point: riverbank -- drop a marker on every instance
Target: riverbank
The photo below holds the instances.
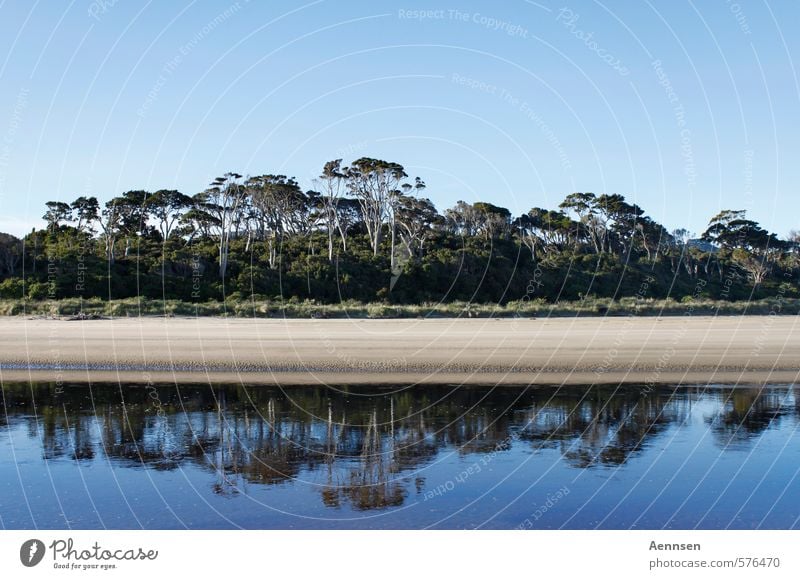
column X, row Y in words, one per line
column 349, row 309
column 636, row 350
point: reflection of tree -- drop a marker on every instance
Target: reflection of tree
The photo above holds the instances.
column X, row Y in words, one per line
column 748, row 412
column 369, row 483
column 365, row 449
column 604, row 426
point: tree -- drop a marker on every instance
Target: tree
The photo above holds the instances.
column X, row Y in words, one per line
column 167, row 206
column 618, row 222
column 86, row 211
column 133, row 208
column 793, row 248
column 416, row 218
column 394, row 203
column 348, row 214
column 10, row 254
column 57, row 213
column 196, row 222
column 748, row 245
column 756, row 267
column 480, row 218
column 280, row 207
column 653, row 237
column 493, row 221
column 463, row 219
column 110, row 224
column 131, row 213
column 375, row 184
column 546, row 231
column 682, row 236
column 333, row 183
column 221, row 201
column 584, row 206
column 730, row 229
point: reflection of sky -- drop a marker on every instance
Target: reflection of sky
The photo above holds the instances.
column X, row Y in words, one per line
column 688, row 469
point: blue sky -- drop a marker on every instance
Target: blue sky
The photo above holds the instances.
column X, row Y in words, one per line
column 684, row 107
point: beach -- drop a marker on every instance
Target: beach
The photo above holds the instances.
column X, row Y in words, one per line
column 735, row 350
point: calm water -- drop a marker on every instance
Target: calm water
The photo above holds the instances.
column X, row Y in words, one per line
column 426, row 457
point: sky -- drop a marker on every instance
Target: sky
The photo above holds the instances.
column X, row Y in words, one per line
column 685, row 107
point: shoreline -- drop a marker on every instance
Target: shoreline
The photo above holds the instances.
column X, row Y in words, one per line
column 95, row 308
column 686, row 350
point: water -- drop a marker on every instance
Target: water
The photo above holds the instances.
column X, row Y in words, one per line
column 198, row 457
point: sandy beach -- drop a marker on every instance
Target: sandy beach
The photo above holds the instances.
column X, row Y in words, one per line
column 636, row 350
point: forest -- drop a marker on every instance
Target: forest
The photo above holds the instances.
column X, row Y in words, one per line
column 366, row 233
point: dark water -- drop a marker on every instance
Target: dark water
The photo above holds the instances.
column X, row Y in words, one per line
column 427, row 457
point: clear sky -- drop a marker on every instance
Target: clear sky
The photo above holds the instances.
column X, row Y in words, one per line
column 684, row 106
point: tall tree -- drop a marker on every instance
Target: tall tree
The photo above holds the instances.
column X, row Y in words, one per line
column 653, row 237
column 394, row 203
column 618, row 220
column 584, row 206
column 546, row 231
column 110, row 225
column 493, row 221
column 57, row 213
column 730, row 229
column 348, row 215
column 222, row 201
column 86, row 211
column 333, row 185
column 417, row 219
column 167, row 206
column 132, row 216
column 281, row 208
column 748, row 245
column 196, row 222
column 463, row 219
column 375, row 184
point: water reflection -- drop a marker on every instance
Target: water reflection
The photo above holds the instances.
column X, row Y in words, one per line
column 749, row 412
column 367, row 450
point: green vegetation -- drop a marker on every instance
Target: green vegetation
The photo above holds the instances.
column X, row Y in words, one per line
column 134, row 307
column 365, row 243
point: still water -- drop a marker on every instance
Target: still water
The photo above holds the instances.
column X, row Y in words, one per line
column 203, row 457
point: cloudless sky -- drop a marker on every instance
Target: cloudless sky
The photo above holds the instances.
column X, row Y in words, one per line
column 686, row 107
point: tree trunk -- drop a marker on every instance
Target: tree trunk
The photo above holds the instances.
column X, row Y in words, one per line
column 392, row 261
column 223, row 261
column 110, row 250
column 377, row 240
column 646, row 246
column 343, row 236
column 273, row 253
column 223, row 254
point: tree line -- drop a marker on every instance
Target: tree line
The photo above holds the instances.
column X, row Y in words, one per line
column 367, row 232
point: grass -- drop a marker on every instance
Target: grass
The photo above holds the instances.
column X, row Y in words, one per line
column 240, row 308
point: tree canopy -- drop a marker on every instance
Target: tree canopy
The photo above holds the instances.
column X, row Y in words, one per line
column 365, row 232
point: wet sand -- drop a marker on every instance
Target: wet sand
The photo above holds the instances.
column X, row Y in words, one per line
column 636, row 350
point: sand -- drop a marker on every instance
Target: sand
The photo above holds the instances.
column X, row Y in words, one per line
column 637, row 350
